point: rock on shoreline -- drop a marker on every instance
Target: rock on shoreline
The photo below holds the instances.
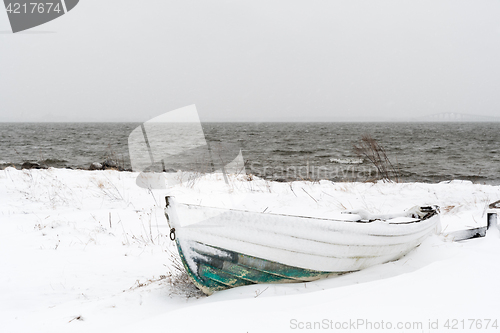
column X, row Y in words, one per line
column 33, row 165
column 108, row 164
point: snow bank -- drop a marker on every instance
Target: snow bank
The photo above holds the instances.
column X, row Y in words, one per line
column 89, row 251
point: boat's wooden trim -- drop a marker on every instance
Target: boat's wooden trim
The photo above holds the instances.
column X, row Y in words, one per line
column 431, row 211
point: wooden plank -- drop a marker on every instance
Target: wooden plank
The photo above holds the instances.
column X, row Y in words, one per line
column 461, row 235
column 217, row 275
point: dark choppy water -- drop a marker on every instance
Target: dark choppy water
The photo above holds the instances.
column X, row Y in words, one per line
column 428, row 152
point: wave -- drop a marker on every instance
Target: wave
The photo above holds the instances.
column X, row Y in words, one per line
column 287, row 152
column 347, row 160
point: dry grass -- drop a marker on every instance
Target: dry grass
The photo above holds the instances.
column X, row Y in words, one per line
column 109, row 189
column 446, row 209
column 370, row 149
column 176, row 280
column 179, row 281
column 111, row 155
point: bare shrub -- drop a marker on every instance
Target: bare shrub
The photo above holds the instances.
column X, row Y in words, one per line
column 370, row 149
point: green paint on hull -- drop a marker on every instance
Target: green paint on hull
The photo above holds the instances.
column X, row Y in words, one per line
column 284, row 271
column 207, row 286
column 222, row 277
column 252, row 275
column 218, row 269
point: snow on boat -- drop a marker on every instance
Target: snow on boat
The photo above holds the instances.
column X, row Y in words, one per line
column 224, row 248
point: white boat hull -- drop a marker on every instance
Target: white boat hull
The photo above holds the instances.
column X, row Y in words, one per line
column 324, row 245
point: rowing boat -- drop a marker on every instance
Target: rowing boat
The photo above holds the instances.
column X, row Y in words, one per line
column 223, row 248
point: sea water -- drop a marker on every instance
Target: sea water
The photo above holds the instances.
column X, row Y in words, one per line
column 424, row 152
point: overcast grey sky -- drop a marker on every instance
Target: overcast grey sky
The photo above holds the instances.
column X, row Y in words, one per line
column 123, row 60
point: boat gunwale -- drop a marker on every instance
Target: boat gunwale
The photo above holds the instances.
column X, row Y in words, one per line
column 434, row 213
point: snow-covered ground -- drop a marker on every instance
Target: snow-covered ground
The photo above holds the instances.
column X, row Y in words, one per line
column 88, row 251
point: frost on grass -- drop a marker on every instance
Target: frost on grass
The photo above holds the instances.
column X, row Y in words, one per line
column 179, row 281
column 176, row 280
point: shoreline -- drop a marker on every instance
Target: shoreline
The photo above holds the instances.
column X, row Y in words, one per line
column 268, row 178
